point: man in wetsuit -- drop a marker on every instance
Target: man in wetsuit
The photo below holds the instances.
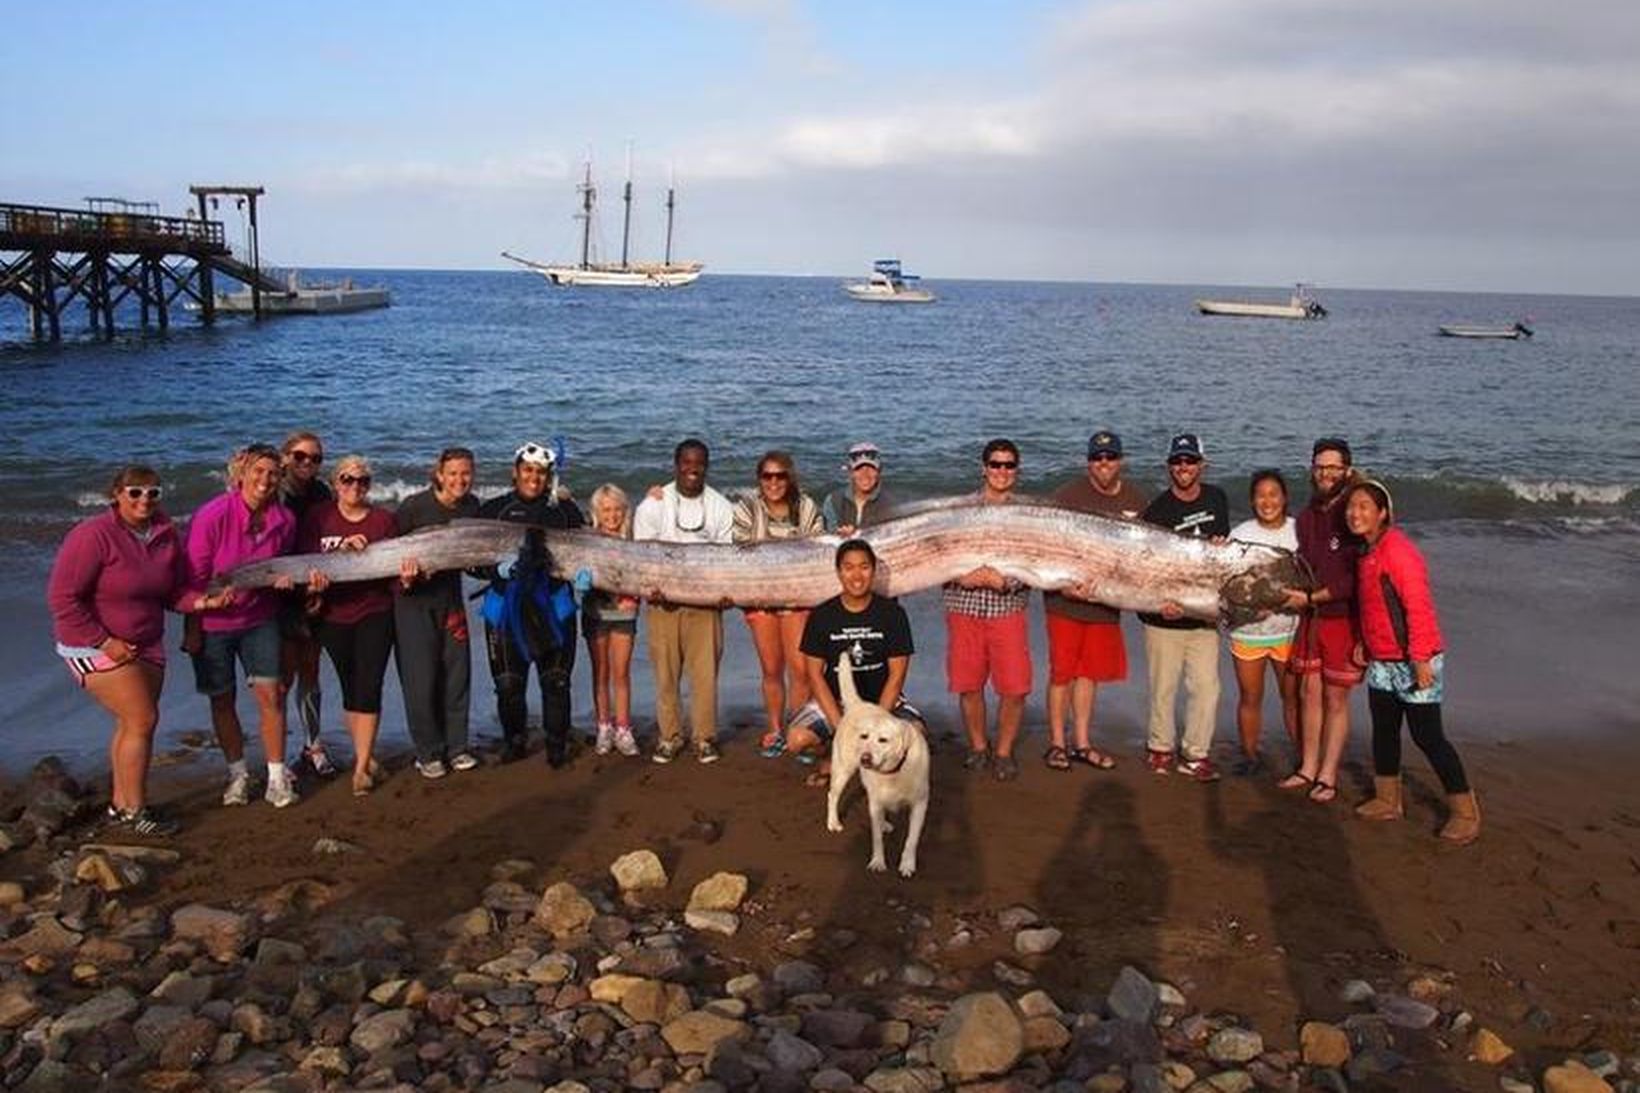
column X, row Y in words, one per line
column 544, row 634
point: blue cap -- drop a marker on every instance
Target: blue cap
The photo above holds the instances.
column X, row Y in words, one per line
column 1185, row 446
column 1104, row 442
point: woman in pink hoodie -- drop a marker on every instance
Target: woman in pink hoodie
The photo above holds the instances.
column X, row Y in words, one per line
column 114, row 578
column 1402, row 651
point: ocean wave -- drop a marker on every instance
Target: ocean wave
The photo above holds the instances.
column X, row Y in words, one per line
column 1511, row 497
column 1563, row 492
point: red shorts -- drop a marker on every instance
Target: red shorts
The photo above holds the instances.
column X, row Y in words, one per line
column 1085, row 650
column 981, row 649
column 1326, row 645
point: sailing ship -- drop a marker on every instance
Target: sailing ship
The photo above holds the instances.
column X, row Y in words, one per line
column 1301, row 305
column 623, row 274
column 889, row 285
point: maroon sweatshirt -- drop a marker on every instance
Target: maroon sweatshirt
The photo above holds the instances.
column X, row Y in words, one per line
column 1328, row 548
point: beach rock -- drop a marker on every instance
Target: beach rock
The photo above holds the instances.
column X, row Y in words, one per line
column 11, row 893
column 1045, row 1034
column 111, row 874
column 47, row 937
column 716, row 922
column 1038, row 1004
column 654, row 1002
column 564, row 910
column 1133, row 997
column 1037, row 941
column 1573, row 1077
column 1404, row 1012
column 719, row 892
column 18, row 1005
column 1321, row 1044
column 905, row 1079
column 698, row 1031
column 50, row 811
column 1118, row 1042
column 114, row 1004
column 1356, row 992
column 639, row 871
column 383, row 1030
column 798, row 977
column 1371, row 1062
column 918, row 975
column 1234, row 1045
column 788, row 1052
column 1510, row 1084
column 1012, row 974
column 613, row 987
column 476, row 923
column 223, row 934
column 837, row 1028
column 1017, row 917
column 551, row 969
column 1488, row 1047
column 981, row 1036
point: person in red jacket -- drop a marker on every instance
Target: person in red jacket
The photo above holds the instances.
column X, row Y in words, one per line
column 111, row 584
column 1402, row 651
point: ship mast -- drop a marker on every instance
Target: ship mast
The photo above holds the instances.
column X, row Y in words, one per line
column 585, row 215
column 671, row 182
column 626, row 222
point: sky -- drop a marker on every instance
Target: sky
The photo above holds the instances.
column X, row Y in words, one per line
column 1444, row 144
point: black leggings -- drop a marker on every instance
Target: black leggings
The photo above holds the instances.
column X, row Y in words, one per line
column 510, row 671
column 359, row 650
column 1424, row 719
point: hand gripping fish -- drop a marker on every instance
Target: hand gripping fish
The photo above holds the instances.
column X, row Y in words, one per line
column 1122, row 564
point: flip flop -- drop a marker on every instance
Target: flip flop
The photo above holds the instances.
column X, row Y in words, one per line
column 1093, row 757
column 1323, row 792
column 1296, row 780
column 773, row 746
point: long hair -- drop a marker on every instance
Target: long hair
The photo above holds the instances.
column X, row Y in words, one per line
column 784, row 461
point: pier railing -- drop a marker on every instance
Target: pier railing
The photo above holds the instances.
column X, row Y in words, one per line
column 26, row 227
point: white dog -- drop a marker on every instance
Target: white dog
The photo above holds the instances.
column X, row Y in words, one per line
column 891, row 757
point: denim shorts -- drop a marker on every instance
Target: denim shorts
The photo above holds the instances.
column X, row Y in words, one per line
column 256, row 649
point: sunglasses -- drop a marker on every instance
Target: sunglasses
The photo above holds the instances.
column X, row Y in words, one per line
column 1104, row 457
column 142, row 493
column 1002, row 464
column 299, row 456
column 1185, row 460
column 354, row 480
column 773, row 476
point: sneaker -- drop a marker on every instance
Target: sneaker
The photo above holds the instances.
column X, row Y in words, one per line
column 464, row 760
column 513, row 749
column 667, row 750
column 432, row 769
column 143, row 821
column 707, row 752
column 606, row 738
column 239, row 789
column 1199, row 770
column 318, row 760
column 281, row 793
column 624, row 741
column 1159, row 762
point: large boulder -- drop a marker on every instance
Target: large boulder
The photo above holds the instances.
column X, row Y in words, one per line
column 699, row 1031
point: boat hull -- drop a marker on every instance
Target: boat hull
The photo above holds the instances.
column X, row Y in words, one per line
column 872, row 294
column 1255, row 311
column 658, row 277
column 305, row 301
column 1505, row 333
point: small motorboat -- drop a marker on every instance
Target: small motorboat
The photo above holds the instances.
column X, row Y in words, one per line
column 889, row 285
column 1512, row 332
column 1301, row 305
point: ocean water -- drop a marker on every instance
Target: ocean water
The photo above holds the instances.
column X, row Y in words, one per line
column 1516, row 464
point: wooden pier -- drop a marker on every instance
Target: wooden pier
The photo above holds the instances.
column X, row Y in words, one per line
column 50, row 258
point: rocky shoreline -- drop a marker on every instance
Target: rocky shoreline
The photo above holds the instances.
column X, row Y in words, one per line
column 626, row 981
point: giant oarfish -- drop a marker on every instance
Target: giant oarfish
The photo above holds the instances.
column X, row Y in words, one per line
column 1115, row 562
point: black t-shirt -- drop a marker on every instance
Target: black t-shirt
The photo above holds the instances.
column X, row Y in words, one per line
column 422, row 510
column 545, row 511
column 1204, row 518
column 870, row 637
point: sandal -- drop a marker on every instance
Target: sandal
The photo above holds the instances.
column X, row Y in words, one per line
column 976, row 760
column 773, row 745
column 1057, row 758
column 1323, row 792
column 1297, row 780
column 1093, row 757
column 1005, row 768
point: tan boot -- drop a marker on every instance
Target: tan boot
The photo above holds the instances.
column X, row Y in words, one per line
column 1464, row 825
column 1386, row 801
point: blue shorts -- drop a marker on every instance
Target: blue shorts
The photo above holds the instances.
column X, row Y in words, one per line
column 256, row 650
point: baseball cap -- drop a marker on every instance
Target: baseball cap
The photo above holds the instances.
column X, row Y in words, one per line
column 1185, row 446
column 865, row 454
column 538, row 454
column 1104, row 442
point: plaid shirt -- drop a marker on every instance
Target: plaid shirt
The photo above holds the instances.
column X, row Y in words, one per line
column 985, row 603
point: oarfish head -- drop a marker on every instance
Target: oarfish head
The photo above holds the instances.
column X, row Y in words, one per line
column 1262, row 587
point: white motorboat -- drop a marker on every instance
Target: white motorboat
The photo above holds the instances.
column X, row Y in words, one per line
column 1511, row 332
column 1301, row 305
column 306, row 298
column 888, row 284
column 623, row 274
